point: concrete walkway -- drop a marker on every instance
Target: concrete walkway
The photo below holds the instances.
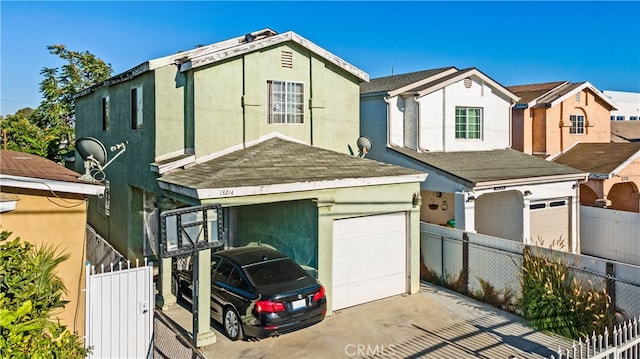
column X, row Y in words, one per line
column 434, row 323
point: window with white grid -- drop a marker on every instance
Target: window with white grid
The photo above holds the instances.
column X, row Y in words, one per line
column 286, row 100
column 468, row 123
column 577, row 124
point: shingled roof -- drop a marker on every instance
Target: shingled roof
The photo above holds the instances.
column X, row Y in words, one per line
column 600, row 159
column 492, row 167
column 394, row 82
column 550, row 93
column 24, row 170
column 625, row 131
column 278, row 165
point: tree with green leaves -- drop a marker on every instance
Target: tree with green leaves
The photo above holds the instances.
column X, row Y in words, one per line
column 30, row 296
column 54, row 119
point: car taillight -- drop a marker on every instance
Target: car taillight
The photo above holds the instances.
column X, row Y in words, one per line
column 267, row 306
column 319, row 295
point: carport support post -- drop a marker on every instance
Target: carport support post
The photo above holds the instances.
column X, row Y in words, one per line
column 205, row 336
column 164, row 298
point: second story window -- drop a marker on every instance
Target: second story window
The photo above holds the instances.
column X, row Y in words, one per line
column 285, row 102
column 577, row 124
column 468, row 123
column 619, row 118
column 106, row 117
column 136, row 108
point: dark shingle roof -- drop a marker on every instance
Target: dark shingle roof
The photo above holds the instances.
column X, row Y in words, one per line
column 528, row 93
column 278, row 161
column 20, row 164
column 488, row 166
column 598, row 158
column 390, row 83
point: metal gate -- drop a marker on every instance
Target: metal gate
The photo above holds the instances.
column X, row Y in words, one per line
column 119, row 311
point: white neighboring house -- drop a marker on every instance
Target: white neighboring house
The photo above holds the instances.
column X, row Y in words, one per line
column 628, row 104
column 456, row 126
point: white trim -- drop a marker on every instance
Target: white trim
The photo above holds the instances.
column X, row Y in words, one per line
column 244, row 48
column 464, row 74
column 583, row 177
column 51, row 185
column 580, row 88
column 164, row 168
column 211, row 193
column 7, row 206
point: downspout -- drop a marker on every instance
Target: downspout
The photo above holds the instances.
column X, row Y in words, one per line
column 310, row 104
column 561, row 125
column 444, row 119
column 387, row 99
column 513, row 103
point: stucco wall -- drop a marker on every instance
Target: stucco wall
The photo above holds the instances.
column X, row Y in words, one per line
column 596, row 116
column 45, row 220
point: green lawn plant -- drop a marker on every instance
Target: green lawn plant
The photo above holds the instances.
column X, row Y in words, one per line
column 30, row 297
column 554, row 299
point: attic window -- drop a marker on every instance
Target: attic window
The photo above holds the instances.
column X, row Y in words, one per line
column 468, row 82
column 287, row 60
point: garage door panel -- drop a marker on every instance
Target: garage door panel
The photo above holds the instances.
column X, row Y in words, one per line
column 369, row 259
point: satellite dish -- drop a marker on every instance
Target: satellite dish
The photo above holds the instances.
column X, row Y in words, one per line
column 89, row 147
column 94, row 155
column 364, row 145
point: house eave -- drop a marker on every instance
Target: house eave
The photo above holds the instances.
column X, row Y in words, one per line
column 51, row 185
column 212, row 193
column 531, row 180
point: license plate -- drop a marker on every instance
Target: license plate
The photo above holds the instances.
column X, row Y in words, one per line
column 298, row 304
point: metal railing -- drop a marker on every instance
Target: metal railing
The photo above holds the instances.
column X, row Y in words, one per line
column 625, row 343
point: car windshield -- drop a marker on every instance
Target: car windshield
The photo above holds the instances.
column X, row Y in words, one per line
column 273, row 272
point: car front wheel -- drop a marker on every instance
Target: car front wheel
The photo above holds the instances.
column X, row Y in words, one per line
column 232, row 324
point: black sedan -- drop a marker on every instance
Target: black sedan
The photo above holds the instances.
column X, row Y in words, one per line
column 258, row 292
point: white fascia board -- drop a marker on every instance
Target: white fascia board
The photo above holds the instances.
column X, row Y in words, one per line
column 463, row 75
column 535, row 101
column 243, row 48
column 533, row 180
column 212, row 193
column 426, row 80
column 7, row 206
column 50, row 185
column 580, row 88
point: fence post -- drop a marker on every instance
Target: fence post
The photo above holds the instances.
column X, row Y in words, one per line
column 442, row 276
column 465, row 263
column 611, row 287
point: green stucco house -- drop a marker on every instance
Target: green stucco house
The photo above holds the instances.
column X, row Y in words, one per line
column 261, row 124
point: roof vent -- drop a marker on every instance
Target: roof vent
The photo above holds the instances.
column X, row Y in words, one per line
column 287, row 59
column 249, row 38
column 467, row 82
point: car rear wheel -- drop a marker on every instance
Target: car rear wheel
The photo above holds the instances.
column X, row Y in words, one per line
column 175, row 288
column 232, row 324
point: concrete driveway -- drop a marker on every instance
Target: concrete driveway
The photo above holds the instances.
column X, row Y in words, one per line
column 434, row 323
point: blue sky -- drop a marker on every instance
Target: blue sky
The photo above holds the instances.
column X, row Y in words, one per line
column 512, row 42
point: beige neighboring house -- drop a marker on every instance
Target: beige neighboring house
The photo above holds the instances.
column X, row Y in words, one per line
column 46, row 204
column 614, row 173
column 551, row 117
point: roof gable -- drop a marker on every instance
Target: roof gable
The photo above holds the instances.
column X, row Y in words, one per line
column 550, row 94
column 219, row 51
column 427, row 81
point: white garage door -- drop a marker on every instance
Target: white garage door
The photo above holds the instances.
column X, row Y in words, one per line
column 369, row 258
column 549, row 223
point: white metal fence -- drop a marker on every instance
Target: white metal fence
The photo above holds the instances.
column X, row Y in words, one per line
column 119, row 311
column 610, row 234
column 625, row 343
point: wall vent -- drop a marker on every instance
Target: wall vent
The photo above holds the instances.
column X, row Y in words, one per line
column 468, row 82
column 287, row 60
